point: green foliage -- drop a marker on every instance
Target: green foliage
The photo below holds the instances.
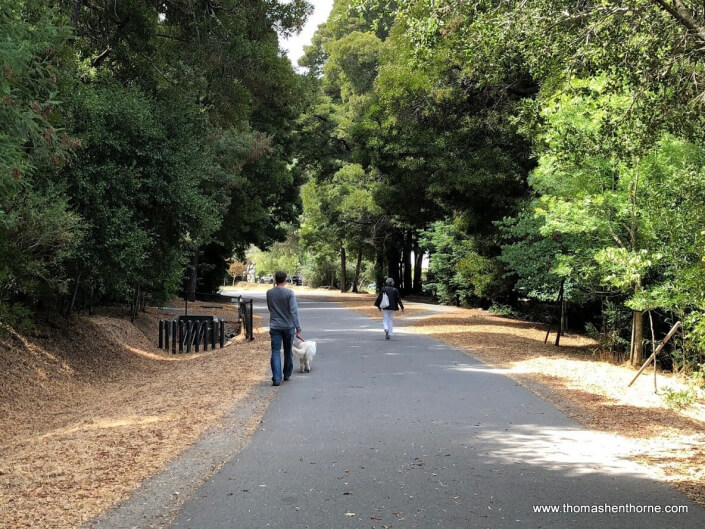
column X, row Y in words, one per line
column 351, row 67
column 30, row 56
column 506, row 311
column 283, row 255
column 448, row 247
column 143, row 135
column 614, row 332
column 679, row 399
column 38, row 232
column 698, row 377
column 138, row 185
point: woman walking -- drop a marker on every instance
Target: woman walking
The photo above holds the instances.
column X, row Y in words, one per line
column 389, row 301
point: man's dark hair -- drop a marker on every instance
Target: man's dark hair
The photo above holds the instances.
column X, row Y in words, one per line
column 279, row 277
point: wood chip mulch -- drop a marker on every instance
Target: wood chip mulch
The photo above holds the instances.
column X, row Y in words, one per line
column 91, row 407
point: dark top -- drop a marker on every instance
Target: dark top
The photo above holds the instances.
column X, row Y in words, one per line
column 394, row 298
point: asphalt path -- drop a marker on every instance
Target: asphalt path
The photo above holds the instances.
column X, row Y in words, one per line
column 412, row 433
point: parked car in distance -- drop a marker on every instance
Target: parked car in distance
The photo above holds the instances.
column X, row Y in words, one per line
column 297, row 280
column 269, row 280
column 372, row 287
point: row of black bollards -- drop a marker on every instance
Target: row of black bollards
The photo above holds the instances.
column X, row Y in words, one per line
column 194, row 331
column 185, row 333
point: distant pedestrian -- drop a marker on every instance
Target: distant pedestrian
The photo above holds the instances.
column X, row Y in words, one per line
column 393, row 302
column 283, row 326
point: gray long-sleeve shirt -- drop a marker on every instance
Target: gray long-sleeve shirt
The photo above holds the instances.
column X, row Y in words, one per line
column 283, row 312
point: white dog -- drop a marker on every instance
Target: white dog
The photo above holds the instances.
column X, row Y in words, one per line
column 305, row 350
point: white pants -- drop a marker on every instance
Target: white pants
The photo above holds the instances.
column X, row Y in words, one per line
column 388, row 321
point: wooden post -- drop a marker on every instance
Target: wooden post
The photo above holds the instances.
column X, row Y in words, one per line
column 161, row 334
column 657, row 351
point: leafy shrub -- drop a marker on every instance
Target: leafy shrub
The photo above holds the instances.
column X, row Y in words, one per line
column 504, row 311
column 679, row 399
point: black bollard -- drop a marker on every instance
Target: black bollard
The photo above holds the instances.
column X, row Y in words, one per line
column 222, row 333
column 173, row 337
column 198, row 327
column 161, row 330
column 250, row 322
column 189, row 336
column 206, row 336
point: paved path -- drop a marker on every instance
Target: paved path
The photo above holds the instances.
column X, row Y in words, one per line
column 411, row 433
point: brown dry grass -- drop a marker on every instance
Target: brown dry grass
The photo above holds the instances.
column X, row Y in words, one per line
column 90, row 408
column 593, row 392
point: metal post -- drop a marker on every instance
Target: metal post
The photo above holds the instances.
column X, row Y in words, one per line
column 189, row 336
column 222, row 333
column 167, row 332
column 161, row 335
column 213, row 333
column 250, row 323
column 173, row 337
column 182, row 337
column 196, row 332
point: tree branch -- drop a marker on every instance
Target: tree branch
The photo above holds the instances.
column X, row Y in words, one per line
column 681, row 13
column 100, row 58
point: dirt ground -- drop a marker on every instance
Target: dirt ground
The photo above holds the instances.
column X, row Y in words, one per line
column 91, row 407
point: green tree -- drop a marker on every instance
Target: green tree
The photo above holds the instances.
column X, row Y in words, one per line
column 38, row 232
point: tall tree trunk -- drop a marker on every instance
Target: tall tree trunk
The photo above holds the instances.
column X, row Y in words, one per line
column 343, row 266
column 358, row 267
column 135, row 303
column 75, row 293
column 193, row 277
column 394, row 258
column 75, row 13
column 379, row 264
column 637, row 346
column 407, row 285
column 418, row 281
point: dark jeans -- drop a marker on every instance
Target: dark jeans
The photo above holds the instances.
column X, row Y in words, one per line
column 279, row 337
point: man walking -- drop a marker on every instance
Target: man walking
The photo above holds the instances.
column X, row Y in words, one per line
column 283, row 324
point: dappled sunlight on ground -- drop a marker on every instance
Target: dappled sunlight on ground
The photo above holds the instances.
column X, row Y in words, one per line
column 568, row 450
